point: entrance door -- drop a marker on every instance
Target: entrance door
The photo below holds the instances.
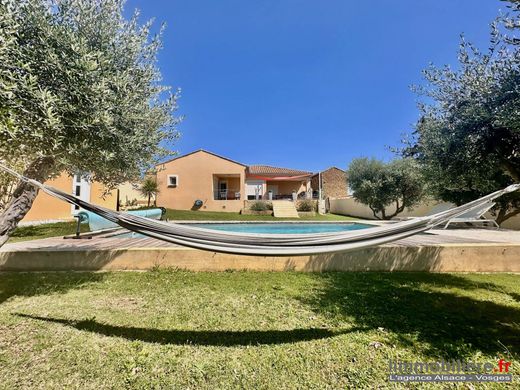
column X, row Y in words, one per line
column 222, row 189
column 81, row 189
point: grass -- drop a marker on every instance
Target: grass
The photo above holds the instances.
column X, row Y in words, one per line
column 35, row 232
column 188, row 215
column 173, row 329
column 65, row 228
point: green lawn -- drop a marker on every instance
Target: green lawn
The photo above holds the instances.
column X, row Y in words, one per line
column 173, row 329
column 64, row 228
column 188, row 215
column 36, row 232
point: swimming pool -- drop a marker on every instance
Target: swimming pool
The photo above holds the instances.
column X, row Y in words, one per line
column 283, row 228
column 273, row 228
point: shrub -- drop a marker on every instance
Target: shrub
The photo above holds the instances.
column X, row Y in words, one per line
column 259, row 206
column 305, row 205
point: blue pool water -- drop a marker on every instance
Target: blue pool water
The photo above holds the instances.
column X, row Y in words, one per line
column 274, row 228
column 283, row 228
column 271, row 228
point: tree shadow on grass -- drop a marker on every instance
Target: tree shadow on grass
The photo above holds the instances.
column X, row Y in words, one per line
column 33, row 284
column 450, row 325
column 196, row 337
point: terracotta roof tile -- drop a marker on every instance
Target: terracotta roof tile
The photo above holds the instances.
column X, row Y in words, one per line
column 268, row 170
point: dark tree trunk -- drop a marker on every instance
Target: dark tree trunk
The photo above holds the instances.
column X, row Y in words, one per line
column 398, row 209
column 374, row 212
column 149, row 196
column 23, row 197
column 511, row 170
column 503, row 215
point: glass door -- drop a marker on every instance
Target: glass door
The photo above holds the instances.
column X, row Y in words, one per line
column 222, row 189
column 80, row 189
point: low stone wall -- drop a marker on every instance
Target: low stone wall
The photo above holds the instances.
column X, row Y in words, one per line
column 440, row 258
column 349, row 206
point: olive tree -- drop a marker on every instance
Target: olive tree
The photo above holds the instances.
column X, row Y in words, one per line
column 80, row 91
column 380, row 185
column 467, row 140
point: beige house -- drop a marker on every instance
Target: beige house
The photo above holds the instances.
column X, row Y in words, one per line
column 130, row 196
column 206, row 181
column 48, row 208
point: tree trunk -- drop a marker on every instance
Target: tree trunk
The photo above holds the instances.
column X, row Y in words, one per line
column 503, row 215
column 23, row 196
column 511, row 170
column 398, row 209
column 149, row 200
column 374, row 212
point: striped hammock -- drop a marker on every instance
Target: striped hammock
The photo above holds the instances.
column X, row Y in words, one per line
column 269, row 244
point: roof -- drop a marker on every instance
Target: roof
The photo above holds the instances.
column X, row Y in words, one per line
column 265, row 170
column 330, row 168
column 201, row 150
column 268, row 170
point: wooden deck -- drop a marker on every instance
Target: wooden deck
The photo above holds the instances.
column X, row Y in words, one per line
column 464, row 250
column 110, row 241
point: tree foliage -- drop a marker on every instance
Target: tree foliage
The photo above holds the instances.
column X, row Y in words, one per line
column 79, row 92
column 468, row 137
column 378, row 185
column 79, row 84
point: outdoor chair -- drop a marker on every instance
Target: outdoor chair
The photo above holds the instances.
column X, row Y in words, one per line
column 474, row 216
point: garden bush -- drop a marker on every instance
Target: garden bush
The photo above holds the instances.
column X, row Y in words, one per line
column 260, row 206
column 305, row 205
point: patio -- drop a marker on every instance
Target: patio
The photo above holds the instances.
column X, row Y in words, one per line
column 466, row 250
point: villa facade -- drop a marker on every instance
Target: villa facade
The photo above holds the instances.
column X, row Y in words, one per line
column 48, row 208
column 206, row 181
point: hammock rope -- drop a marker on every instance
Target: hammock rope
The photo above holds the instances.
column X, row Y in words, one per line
column 269, row 244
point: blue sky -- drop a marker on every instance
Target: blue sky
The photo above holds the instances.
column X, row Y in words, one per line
column 305, row 84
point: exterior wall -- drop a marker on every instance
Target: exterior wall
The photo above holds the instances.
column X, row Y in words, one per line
column 233, row 184
column 128, row 193
column 98, row 196
column 349, row 206
column 196, row 173
column 46, row 207
column 333, row 181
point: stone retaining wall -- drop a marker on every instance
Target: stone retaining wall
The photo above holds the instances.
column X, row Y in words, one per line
column 439, row 258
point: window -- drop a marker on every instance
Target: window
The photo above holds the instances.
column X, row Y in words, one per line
column 173, row 180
